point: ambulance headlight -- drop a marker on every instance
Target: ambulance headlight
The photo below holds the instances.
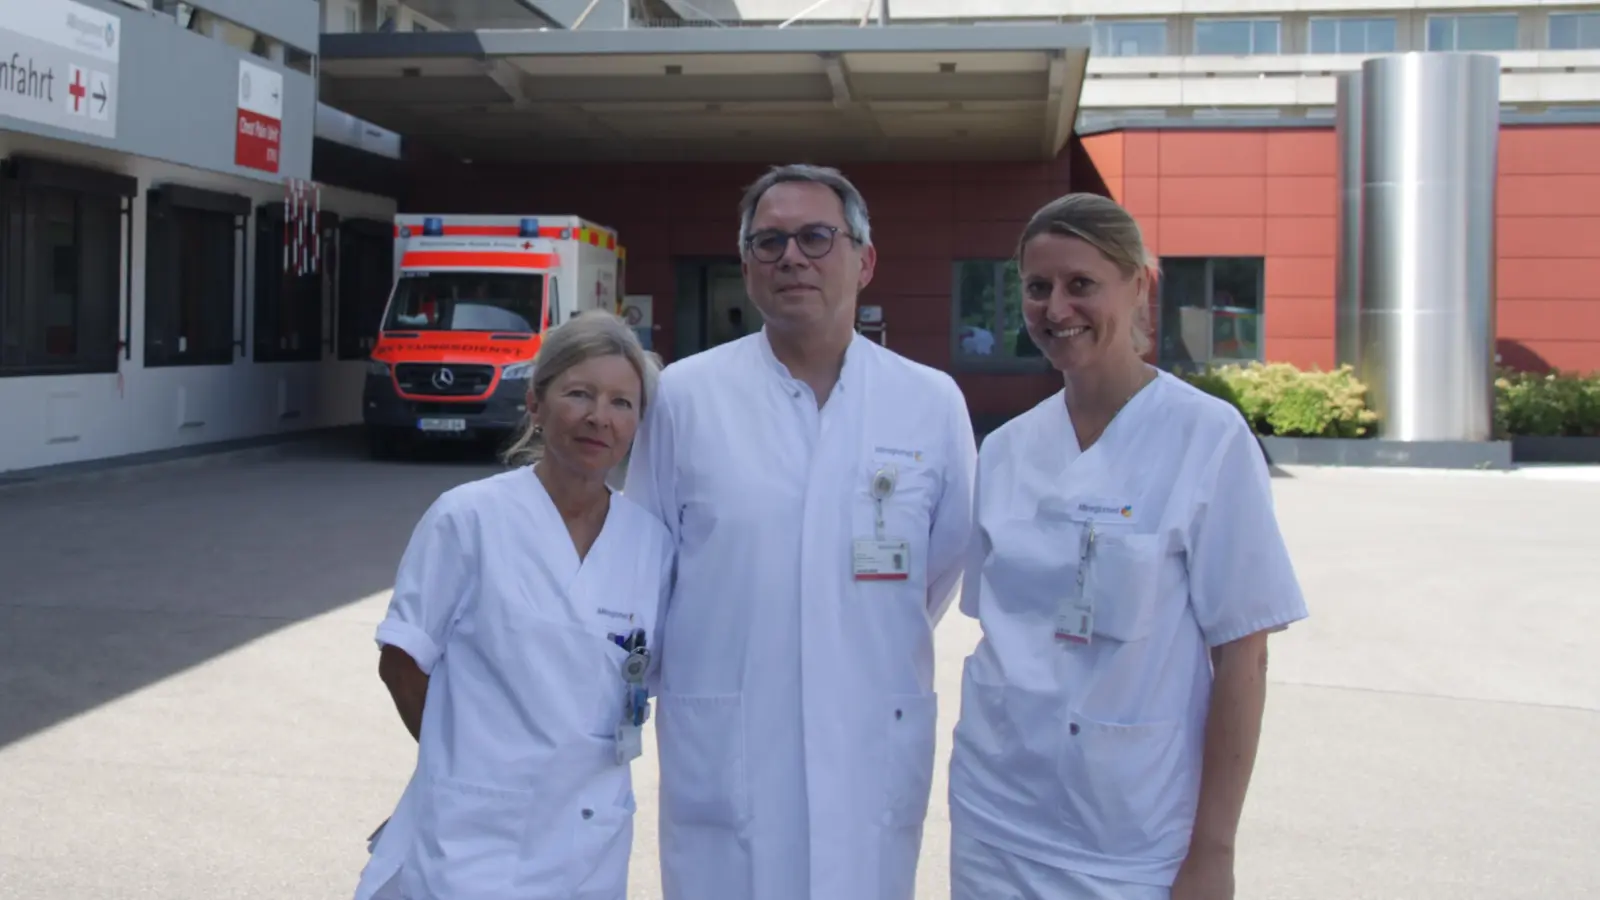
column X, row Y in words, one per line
column 521, row 371
column 377, row 368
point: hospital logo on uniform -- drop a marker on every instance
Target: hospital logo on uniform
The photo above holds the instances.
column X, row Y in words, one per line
column 913, row 455
column 627, row 617
column 1096, row 509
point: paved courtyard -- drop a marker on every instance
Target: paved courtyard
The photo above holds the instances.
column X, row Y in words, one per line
column 189, row 707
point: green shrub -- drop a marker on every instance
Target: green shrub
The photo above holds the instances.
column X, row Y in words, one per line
column 1547, row 404
column 1278, row 399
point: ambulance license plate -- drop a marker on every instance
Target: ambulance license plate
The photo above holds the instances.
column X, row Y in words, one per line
column 442, row 424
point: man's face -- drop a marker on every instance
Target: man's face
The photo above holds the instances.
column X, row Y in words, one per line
column 802, row 268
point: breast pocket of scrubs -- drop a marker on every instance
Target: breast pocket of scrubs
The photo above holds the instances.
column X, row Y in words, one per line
column 907, row 513
column 1122, row 580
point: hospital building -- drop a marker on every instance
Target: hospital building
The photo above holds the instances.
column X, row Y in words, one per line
column 198, row 200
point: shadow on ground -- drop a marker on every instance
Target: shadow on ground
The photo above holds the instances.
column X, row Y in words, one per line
column 116, row 580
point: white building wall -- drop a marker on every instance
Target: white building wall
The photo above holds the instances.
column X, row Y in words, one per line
column 51, row 420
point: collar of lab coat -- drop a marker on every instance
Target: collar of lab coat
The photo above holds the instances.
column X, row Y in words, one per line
column 854, row 362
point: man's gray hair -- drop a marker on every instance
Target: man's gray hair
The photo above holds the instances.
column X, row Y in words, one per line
column 855, row 208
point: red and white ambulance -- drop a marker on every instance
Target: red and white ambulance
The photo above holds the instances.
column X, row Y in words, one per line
column 473, row 296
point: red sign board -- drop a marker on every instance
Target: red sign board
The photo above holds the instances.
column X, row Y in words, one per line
column 258, row 137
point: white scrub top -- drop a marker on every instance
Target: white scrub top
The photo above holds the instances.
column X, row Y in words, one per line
column 1088, row 757
column 517, row 793
column 796, row 716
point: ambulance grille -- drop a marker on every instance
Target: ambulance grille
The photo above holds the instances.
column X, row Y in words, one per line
column 443, row 379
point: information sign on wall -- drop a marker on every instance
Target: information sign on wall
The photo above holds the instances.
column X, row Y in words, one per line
column 258, row 143
column 58, row 64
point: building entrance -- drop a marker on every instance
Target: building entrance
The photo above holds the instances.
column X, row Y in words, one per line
column 712, row 305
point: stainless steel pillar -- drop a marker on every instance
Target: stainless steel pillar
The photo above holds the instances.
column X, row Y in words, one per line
column 1347, row 281
column 1430, row 129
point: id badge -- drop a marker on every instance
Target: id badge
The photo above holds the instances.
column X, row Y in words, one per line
column 882, row 560
column 1075, row 623
column 630, row 743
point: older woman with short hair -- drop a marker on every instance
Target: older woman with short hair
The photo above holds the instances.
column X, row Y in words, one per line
column 516, row 649
column 1126, row 568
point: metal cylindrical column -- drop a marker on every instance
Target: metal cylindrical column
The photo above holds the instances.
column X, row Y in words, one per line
column 1430, row 128
column 1347, row 281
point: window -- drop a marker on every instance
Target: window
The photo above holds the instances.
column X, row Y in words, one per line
column 62, row 258
column 1352, row 35
column 1210, row 311
column 352, row 20
column 988, row 316
column 1235, row 37
column 191, row 276
column 288, row 304
column 1130, row 38
column 1490, row 31
column 1574, row 31
column 466, row 301
column 365, row 273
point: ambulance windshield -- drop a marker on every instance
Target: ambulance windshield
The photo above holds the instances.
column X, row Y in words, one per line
column 466, row 301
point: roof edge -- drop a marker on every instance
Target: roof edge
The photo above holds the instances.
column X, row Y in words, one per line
column 687, row 41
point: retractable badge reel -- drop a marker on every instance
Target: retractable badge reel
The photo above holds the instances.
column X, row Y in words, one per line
column 1075, row 616
column 882, row 558
column 630, row 742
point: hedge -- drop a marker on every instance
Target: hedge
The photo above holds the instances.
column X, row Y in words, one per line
column 1279, row 399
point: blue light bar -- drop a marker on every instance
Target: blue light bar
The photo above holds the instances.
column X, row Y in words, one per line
column 530, row 228
column 433, row 226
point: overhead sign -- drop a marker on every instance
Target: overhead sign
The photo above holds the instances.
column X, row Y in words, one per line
column 58, row 64
column 258, row 143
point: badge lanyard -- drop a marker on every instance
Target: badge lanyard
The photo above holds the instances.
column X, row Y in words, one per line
column 1075, row 618
column 882, row 558
column 883, row 483
column 636, row 707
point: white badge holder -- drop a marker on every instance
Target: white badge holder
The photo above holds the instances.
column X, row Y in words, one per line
column 630, row 731
column 881, row 558
column 1075, row 615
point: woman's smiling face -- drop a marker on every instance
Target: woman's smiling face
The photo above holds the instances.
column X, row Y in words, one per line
column 1078, row 306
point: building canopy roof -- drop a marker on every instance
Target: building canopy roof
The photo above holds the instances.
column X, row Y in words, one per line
column 912, row 93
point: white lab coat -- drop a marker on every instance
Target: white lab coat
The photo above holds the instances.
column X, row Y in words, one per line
column 796, row 716
column 517, row 793
column 1088, row 758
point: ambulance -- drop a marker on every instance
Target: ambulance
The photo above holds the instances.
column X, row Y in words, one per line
column 472, row 298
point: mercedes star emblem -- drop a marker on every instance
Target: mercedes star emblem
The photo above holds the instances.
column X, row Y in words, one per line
column 443, row 379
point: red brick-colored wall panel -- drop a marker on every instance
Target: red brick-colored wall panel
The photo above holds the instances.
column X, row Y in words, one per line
column 1548, row 279
column 1300, row 276
column 1303, row 236
column 1539, row 321
column 1550, row 149
column 1143, row 196
column 1102, row 165
column 1547, row 195
column 1141, row 153
column 928, row 239
column 1211, row 236
column 1297, row 152
column 987, row 240
column 1212, row 153
column 1213, row 197
column 1302, row 195
column 1298, row 317
column 1302, row 353
column 1554, row 237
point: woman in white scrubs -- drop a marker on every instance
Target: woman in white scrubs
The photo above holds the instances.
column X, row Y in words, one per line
column 1126, row 569
column 516, row 649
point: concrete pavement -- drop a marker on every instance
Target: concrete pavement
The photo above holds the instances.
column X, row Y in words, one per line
column 189, row 707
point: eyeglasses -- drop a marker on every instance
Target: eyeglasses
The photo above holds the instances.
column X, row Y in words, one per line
column 813, row 240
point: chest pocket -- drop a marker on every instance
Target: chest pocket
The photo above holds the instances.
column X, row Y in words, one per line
column 907, row 511
column 1123, row 577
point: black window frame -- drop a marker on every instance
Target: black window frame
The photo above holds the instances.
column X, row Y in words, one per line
column 167, row 207
column 1166, row 360
column 359, row 306
column 24, row 179
column 274, row 282
column 1009, row 361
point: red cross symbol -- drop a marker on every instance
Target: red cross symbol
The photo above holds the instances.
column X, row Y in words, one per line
column 78, row 90
column 527, row 245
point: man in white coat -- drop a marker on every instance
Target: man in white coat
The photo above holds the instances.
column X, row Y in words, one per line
column 819, row 489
